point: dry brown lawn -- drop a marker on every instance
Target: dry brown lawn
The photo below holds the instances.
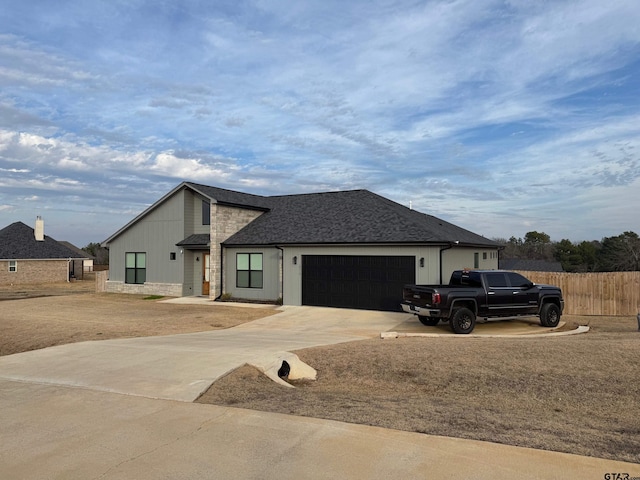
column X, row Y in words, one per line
column 68, row 316
column 578, row 394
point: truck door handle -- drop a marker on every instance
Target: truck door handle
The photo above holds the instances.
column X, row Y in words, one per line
column 491, row 293
column 515, row 293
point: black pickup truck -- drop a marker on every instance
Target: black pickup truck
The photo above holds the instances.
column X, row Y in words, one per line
column 483, row 294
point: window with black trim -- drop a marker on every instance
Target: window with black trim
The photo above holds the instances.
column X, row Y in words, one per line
column 136, row 267
column 13, row 265
column 249, row 270
column 206, row 212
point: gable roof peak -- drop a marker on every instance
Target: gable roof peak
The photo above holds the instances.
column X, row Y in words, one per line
column 229, row 197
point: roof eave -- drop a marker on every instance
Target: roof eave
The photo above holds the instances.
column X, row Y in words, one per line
column 352, row 244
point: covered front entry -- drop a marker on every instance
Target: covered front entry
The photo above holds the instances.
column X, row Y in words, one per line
column 356, row 281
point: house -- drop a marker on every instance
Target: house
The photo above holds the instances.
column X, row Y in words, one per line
column 27, row 255
column 351, row 249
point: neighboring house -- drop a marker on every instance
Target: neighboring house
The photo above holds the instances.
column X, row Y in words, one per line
column 525, row 265
column 80, row 265
column 27, row 255
column 351, row 249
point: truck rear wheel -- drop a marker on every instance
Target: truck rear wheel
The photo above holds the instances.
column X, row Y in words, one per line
column 463, row 320
column 550, row 315
column 428, row 321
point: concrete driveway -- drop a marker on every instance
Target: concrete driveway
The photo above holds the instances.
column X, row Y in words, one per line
column 119, row 409
column 181, row 367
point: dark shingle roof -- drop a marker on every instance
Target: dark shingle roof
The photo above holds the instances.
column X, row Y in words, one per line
column 230, row 197
column 195, row 240
column 18, row 242
column 79, row 251
column 356, row 216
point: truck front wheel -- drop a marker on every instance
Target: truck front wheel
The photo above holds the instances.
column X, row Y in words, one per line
column 429, row 321
column 463, row 320
column 550, row 315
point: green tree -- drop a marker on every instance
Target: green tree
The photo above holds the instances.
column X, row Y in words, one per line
column 568, row 255
column 589, row 253
column 620, row 254
column 97, row 251
column 537, row 246
column 575, row 257
column 513, row 248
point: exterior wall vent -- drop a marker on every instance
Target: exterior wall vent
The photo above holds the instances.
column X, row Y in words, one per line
column 39, row 231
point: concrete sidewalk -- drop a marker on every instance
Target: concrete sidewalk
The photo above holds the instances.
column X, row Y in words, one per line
column 118, row 409
column 54, row 432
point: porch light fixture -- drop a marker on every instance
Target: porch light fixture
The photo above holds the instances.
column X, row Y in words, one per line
column 422, row 262
column 295, row 260
column 197, row 259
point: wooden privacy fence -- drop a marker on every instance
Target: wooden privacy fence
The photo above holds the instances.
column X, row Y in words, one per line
column 606, row 293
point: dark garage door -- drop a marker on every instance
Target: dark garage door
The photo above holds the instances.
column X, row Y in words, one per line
column 349, row 281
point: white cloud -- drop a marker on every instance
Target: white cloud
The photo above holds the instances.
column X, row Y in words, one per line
column 191, row 168
column 25, row 63
column 494, row 114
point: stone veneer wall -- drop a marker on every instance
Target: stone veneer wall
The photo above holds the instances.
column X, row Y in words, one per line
column 34, row 271
column 148, row 288
column 225, row 221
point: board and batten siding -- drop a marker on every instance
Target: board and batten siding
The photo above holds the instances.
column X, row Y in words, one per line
column 156, row 234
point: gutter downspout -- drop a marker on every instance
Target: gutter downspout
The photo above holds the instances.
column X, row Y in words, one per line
column 450, row 246
column 221, row 272
column 500, row 249
column 282, row 270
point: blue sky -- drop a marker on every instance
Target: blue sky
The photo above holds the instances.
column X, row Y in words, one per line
column 502, row 117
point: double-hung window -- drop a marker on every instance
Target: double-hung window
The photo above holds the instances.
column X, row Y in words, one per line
column 249, row 270
column 13, row 265
column 136, row 267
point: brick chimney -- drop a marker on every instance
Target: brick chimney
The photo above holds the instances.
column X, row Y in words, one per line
column 39, row 231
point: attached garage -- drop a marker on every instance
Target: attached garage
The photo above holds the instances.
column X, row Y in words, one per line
column 356, row 281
